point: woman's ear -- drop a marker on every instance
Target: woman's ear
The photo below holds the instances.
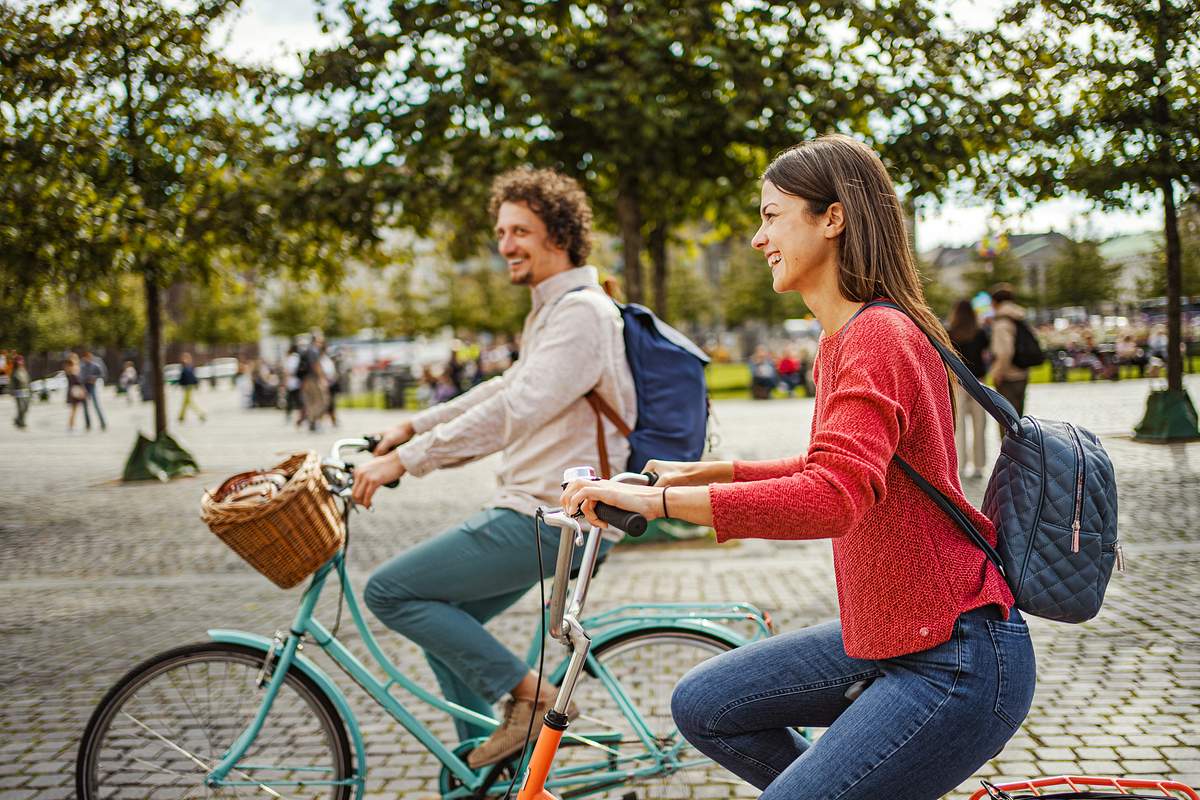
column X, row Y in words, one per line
column 835, row 220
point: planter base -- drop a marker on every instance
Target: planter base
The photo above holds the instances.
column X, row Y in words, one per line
column 158, row 459
column 1170, row 417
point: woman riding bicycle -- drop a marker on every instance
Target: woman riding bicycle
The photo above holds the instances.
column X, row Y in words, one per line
column 927, row 624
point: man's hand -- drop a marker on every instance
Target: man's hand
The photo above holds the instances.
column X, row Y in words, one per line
column 690, row 473
column 375, row 473
column 392, row 438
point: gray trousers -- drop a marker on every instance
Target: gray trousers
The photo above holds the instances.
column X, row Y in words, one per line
column 440, row 593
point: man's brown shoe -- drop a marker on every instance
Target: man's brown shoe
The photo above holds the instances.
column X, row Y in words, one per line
column 508, row 739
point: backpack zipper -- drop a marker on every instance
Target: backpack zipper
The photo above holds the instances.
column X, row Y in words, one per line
column 1075, row 524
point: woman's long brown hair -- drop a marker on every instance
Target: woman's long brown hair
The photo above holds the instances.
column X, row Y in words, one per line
column 874, row 257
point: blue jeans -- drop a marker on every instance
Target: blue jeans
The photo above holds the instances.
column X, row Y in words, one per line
column 923, row 725
column 94, row 397
column 440, row 593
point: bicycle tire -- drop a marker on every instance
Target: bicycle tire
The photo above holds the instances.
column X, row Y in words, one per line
column 649, row 682
column 299, row 695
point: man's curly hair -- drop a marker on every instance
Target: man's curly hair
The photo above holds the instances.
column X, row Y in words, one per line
column 558, row 201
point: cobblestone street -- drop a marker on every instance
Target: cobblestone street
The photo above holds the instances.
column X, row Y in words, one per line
column 98, row 576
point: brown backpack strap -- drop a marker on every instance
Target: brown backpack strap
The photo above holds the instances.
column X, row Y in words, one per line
column 603, row 409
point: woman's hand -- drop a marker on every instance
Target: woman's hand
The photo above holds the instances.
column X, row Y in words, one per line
column 690, row 473
column 375, row 473
column 583, row 495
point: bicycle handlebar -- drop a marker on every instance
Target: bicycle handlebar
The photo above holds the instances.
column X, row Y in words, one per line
column 631, row 522
column 364, row 443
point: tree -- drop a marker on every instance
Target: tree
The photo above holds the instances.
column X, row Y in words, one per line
column 1124, row 121
column 1153, row 281
column 128, row 145
column 666, row 112
column 223, row 309
column 1080, row 276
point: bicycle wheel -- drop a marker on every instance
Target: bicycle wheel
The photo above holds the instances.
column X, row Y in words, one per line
column 646, row 665
column 157, row 733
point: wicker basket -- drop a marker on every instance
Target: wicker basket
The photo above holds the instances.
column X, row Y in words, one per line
column 286, row 537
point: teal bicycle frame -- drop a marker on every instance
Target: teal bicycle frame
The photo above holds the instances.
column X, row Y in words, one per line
column 285, row 655
column 282, row 655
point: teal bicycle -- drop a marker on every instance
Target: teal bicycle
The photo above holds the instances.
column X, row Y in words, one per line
column 247, row 715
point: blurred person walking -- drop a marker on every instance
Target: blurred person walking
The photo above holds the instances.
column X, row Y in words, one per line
column 127, row 380
column 188, row 382
column 314, row 385
column 76, row 393
column 94, row 375
column 1010, row 380
column 18, row 386
column 291, row 382
column 333, row 377
column 971, row 342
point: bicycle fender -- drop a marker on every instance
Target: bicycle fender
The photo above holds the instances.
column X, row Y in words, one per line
column 692, row 625
column 305, row 665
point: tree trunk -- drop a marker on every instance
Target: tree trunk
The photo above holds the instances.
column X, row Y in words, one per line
column 1174, row 289
column 657, row 245
column 629, row 216
column 154, row 342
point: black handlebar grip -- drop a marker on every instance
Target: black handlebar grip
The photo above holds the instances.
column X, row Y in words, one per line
column 631, row 522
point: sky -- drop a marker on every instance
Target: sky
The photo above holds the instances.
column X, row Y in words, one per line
column 274, row 30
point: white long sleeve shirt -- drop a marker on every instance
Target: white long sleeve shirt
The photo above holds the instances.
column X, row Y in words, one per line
column 572, row 342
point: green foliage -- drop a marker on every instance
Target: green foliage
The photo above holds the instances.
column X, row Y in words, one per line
column 478, row 297
column 1124, row 90
column 221, row 310
column 1153, row 281
column 666, row 112
column 747, row 294
column 1080, row 276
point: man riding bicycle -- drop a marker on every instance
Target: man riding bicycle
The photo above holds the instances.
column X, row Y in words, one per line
column 440, row 593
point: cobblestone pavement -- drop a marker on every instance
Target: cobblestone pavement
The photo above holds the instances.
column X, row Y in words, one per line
column 97, row 576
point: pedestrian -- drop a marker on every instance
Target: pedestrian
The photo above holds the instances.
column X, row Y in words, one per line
column 442, row 592
column 333, row 377
column 94, row 374
column 291, row 382
column 188, row 382
column 18, row 386
column 1010, row 380
column 127, row 380
column 930, row 670
column 972, row 342
column 76, row 393
column 763, row 377
column 789, row 369
column 314, row 385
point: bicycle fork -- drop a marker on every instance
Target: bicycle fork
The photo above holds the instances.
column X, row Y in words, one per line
column 556, row 721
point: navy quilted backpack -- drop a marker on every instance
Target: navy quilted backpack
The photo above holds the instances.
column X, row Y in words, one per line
column 1053, row 499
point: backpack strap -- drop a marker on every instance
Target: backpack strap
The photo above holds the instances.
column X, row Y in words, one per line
column 954, row 512
column 602, row 409
column 992, row 401
column 994, row 404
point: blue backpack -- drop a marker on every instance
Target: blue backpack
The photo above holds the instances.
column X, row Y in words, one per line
column 672, row 396
column 1053, row 499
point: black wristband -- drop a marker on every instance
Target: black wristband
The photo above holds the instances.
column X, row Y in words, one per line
column 664, row 501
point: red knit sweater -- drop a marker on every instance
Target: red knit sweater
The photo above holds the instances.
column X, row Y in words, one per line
column 904, row 571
